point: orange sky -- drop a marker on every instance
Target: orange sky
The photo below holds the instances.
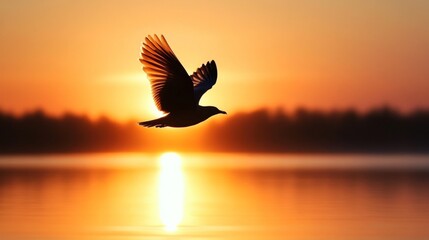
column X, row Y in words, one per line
column 82, row 56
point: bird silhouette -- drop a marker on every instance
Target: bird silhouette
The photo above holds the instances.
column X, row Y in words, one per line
column 175, row 92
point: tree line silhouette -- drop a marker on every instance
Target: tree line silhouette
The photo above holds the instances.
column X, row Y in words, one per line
column 378, row 130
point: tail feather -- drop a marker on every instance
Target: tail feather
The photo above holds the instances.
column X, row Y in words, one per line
column 152, row 123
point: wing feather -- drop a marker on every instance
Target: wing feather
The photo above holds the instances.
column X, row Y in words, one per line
column 172, row 87
column 204, row 79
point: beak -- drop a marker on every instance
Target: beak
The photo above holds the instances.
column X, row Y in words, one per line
column 223, row 112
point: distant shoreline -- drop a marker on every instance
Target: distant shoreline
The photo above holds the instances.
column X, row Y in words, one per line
column 379, row 131
column 221, row 152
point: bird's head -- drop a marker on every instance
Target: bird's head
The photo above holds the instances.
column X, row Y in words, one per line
column 213, row 111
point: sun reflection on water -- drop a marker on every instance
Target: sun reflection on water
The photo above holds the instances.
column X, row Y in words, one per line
column 171, row 191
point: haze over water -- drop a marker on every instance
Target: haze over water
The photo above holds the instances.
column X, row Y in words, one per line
column 214, row 196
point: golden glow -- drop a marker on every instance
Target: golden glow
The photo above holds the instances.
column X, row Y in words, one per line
column 171, row 191
column 292, row 53
column 151, row 109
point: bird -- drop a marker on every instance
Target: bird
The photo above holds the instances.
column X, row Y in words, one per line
column 176, row 93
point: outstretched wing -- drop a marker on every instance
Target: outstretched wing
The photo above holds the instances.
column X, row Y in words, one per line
column 204, row 79
column 172, row 88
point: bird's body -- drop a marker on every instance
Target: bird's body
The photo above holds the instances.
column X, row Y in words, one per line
column 183, row 118
column 174, row 91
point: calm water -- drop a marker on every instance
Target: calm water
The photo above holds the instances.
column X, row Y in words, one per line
column 214, row 196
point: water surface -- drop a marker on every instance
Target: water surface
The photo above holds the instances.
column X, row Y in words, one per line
column 214, row 196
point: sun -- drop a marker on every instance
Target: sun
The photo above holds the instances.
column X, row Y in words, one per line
column 153, row 110
column 150, row 108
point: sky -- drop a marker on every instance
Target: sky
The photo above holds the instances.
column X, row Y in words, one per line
column 82, row 56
